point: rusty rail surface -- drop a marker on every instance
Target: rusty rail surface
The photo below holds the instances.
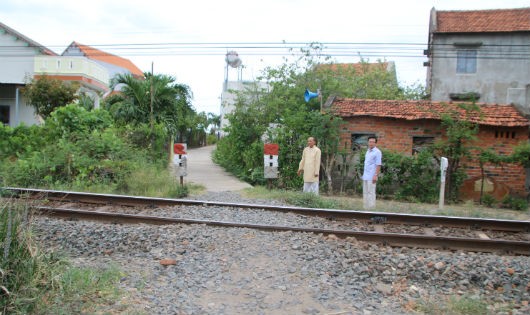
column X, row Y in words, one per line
column 390, row 239
column 376, row 217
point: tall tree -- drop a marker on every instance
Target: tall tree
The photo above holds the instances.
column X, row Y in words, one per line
column 45, row 94
column 460, row 133
column 171, row 101
column 283, row 106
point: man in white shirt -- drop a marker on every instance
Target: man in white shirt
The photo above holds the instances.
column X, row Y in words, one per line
column 372, row 168
column 310, row 166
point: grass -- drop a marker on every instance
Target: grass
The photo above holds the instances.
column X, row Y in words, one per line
column 466, row 209
column 43, row 282
column 459, row 305
column 148, row 181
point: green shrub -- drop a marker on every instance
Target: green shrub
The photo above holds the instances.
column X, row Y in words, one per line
column 74, row 121
column 309, row 200
column 178, row 191
column 513, row 202
column 488, row 200
column 403, row 175
column 15, row 142
column 33, row 281
column 211, row 139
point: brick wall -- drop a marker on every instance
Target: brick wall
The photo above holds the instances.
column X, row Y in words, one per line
column 397, row 135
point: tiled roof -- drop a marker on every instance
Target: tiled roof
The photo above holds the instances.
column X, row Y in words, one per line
column 93, row 53
column 490, row 114
column 505, row 20
column 32, row 43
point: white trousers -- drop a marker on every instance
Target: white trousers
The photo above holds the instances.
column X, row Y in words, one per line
column 368, row 194
column 311, row 187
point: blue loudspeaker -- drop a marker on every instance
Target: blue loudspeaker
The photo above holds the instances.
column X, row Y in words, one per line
column 308, row 95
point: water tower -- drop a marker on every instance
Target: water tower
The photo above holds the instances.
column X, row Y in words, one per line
column 233, row 61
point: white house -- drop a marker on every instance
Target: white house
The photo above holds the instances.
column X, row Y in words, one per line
column 22, row 59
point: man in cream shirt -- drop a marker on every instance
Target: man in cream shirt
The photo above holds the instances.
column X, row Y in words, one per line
column 310, row 166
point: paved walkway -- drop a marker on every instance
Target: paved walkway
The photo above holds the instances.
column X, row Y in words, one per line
column 203, row 171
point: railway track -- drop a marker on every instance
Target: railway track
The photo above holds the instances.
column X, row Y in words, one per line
column 393, row 229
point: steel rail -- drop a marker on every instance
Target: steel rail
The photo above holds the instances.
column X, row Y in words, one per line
column 390, row 239
column 376, row 217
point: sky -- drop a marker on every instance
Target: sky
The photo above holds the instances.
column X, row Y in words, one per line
column 188, row 40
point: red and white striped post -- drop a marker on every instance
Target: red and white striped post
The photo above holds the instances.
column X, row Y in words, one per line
column 270, row 161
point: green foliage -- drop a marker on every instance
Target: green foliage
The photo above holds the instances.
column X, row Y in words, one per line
column 402, row 175
column 74, row 121
column 211, row 139
column 514, row 202
column 178, row 191
column 152, row 180
column 156, row 100
column 281, row 114
column 309, row 200
column 488, row 200
column 15, row 142
column 17, row 264
column 139, row 137
column 35, row 282
column 96, row 157
column 460, row 133
column 464, row 305
column 521, row 154
column 46, row 94
column 82, row 290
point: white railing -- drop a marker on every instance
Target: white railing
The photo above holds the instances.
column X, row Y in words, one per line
column 70, row 66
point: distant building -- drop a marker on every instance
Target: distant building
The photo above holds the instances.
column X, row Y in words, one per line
column 22, row 59
column 481, row 55
column 17, row 55
column 114, row 64
column 231, row 89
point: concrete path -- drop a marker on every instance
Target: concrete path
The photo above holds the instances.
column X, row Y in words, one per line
column 203, row 171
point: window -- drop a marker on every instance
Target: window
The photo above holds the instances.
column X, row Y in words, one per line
column 4, row 114
column 505, row 134
column 360, row 140
column 421, row 143
column 466, row 61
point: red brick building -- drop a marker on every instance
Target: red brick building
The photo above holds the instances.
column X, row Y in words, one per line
column 406, row 126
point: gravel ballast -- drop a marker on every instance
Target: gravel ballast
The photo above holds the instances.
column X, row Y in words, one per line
column 215, row 270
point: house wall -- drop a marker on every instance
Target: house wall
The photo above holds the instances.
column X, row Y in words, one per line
column 92, row 73
column 24, row 113
column 230, row 93
column 502, row 72
column 112, row 70
column 16, row 61
column 392, row 134
column 16, row 67
column 397, row 135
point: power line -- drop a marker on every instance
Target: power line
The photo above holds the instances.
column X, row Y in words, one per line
column 331, row 49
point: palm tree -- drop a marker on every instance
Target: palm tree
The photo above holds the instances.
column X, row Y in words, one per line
column 169, row 104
